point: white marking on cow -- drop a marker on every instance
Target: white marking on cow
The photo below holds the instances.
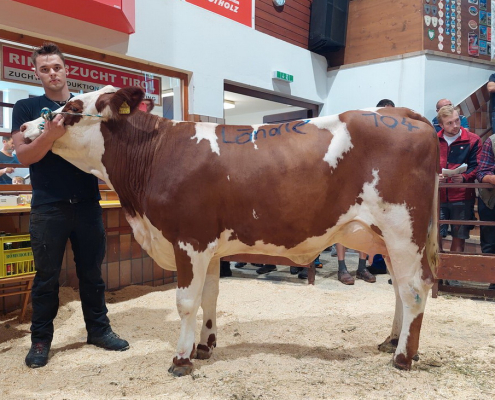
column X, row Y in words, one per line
column 189, row 298
column 255, row 216
column 206, row 130
column 152, row 241
column 228, row 177
column 341, row 141
column 253, row 139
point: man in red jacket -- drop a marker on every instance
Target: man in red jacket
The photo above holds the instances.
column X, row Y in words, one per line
column 458, row 146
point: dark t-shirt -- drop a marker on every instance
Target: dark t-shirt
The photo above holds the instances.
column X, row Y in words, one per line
column 52, row 178
column 4, row 159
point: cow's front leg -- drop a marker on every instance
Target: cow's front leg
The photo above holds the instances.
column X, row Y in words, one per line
column 208, row 338
column 390, row 343
column 191, row 271
column 413, row 293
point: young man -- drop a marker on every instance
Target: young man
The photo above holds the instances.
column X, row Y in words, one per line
column 7, row 157
column 65, row 205
column 446, row 102
column 457, row 146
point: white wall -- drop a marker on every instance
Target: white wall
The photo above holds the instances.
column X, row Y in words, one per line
column 176, row 34
column 417, row 82
column 188, row 38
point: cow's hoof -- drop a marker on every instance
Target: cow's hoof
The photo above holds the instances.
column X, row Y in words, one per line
column 180, row 371
column 388, row 346
column 400, row 362
column 203, row 352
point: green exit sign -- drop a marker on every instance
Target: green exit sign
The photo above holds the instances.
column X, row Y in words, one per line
column 283, row 76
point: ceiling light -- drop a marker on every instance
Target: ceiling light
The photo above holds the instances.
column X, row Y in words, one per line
column 228, row 104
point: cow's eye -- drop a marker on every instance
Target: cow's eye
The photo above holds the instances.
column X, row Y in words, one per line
column 74, row 109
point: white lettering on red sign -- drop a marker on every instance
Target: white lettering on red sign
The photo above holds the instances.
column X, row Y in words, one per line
column 225, row 4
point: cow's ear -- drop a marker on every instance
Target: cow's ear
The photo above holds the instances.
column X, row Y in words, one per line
column 125, row 101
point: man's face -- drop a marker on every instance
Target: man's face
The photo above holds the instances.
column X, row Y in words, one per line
column 8, row 145
column 51, row 71
column 451, row 124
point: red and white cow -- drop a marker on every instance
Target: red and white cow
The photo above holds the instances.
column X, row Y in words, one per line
column 195, row 192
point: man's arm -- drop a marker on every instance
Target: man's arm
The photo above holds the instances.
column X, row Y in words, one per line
column 29, row 153
column 486, row 164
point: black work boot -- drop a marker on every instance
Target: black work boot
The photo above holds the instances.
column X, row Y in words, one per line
column 38, row 354
column 108, row 341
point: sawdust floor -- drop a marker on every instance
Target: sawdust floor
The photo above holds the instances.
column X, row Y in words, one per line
column 278, row 338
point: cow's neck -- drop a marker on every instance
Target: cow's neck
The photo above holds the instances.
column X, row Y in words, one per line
column 128, row 145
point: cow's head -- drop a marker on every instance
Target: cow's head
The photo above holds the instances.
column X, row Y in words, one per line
column 83, row 143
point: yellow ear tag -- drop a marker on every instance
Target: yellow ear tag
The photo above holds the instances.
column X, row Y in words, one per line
column 124, row 108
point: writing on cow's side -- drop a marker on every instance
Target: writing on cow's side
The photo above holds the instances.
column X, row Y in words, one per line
column 246, row 135
column 389, row 121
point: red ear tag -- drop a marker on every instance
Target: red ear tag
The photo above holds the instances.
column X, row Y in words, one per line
column 143, row 106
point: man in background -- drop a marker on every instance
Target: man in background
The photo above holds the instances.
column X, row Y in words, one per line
column 7, row 157
column 445, row 102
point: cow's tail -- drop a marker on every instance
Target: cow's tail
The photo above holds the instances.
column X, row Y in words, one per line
column 432, row 239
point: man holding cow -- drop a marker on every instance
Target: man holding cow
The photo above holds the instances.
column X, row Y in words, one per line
column 65, row 205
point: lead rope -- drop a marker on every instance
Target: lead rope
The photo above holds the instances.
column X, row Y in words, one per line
column 48, row 115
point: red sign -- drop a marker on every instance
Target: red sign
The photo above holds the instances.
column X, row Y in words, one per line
column 118, row 15
column 83, row 76
column 237, row 10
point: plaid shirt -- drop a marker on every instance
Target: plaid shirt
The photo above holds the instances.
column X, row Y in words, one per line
column 486, row 163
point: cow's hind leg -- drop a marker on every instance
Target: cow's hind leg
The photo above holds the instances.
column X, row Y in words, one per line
column 413, row 290
column 208, row 337
column 191, row 271
column 390, row 343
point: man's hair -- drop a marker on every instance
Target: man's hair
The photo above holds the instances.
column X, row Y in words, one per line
column 18, row 178
column 445, row 111
column 385, row 103
column 442, row 100
column 47, row 49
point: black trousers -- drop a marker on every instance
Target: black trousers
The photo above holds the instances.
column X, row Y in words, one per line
column 51, row 225
column 487, row 233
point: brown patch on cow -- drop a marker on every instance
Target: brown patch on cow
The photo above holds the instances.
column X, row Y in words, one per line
column 375, row 229
column 212, row 341
column 203, row 347
column 193, row 351
column 182, row 362
column 401, row 362
column 73, row 106
column 413, row 338
column 209, row 324
column 131, row 95
column 184, row 268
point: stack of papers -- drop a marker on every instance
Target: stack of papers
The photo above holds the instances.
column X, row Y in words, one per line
column 459, row 170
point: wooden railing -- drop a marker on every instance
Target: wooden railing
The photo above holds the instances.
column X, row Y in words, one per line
column 470, row 267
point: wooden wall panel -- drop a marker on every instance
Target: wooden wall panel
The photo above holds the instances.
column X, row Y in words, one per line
column 383, row 28
column 289, row 23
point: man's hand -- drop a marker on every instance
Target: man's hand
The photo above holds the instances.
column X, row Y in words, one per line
column 54, row 129
column 6, row 170
column 457, row 178
column 442, row 178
